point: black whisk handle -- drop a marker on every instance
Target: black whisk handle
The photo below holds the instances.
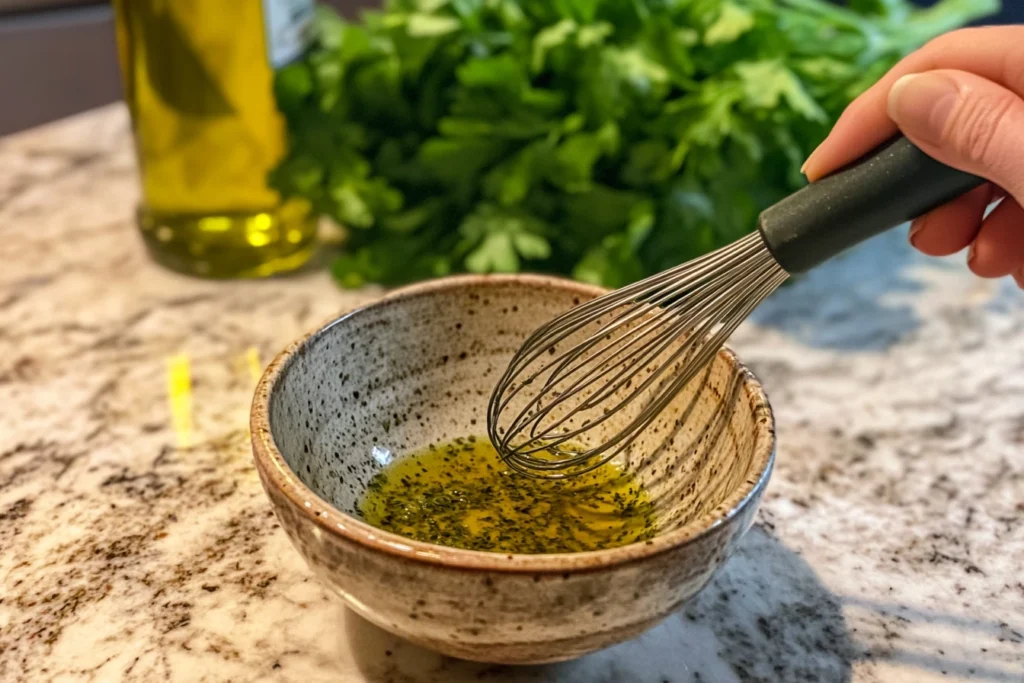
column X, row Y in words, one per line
column 895, row 183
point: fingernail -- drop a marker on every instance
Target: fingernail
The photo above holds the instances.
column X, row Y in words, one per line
column 915, row 228
column 921, row 104
column 809, row 162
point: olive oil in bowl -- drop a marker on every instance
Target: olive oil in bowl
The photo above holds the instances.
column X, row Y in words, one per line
column 460, row 494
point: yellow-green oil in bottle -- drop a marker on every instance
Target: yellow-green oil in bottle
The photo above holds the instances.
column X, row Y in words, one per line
column 198, row 80
column 462, row 495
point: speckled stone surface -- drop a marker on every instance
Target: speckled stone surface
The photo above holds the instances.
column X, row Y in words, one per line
column 137, row 544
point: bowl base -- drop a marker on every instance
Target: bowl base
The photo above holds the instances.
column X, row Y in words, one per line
column 522, row 653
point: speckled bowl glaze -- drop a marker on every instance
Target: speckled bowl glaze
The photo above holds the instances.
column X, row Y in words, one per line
column 417, row 367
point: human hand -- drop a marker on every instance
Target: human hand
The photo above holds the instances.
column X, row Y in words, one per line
column 960, row 99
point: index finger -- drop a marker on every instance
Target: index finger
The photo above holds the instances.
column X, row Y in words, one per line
column 995, row 53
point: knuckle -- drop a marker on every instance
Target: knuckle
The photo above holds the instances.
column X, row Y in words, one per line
column 977, row 124
column 962, row 36
column 941, row 45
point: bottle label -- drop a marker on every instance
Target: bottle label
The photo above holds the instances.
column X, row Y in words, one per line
column 288, row 26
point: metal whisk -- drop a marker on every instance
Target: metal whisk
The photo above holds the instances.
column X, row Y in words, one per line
column 636, row 348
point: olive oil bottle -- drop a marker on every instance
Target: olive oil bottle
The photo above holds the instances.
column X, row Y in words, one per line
column 198, row 80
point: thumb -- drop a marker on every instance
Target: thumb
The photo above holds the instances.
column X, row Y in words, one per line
column 964, row 121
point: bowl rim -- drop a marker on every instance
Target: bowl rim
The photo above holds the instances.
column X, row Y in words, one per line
column 277, row 474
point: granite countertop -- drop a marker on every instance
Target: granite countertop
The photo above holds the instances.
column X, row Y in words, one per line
column 137, row 544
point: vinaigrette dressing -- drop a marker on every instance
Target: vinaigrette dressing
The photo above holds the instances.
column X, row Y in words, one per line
column 460, row 494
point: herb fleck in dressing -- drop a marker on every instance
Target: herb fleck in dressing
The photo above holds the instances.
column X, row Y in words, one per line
column 462, row 495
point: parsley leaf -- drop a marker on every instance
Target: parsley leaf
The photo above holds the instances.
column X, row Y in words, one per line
column 603, row 139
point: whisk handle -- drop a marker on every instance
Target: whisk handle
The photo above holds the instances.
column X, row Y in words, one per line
column 895, row 183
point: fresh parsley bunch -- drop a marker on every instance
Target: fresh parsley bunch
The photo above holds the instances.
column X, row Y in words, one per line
column 604, row 139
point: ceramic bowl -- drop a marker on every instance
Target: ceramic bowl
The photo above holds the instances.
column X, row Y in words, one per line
column 417, row 367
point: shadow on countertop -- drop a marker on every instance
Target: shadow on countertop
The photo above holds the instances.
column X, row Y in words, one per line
column 992, row 665
column 765, row 617
column 847, row 304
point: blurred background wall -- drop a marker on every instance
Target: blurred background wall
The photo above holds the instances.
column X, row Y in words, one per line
column 57, row 57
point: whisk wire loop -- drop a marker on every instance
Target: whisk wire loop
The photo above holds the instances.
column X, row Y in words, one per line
column 635, row 349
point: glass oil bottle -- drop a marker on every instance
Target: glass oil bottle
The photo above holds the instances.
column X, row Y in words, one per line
column 198, row 80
